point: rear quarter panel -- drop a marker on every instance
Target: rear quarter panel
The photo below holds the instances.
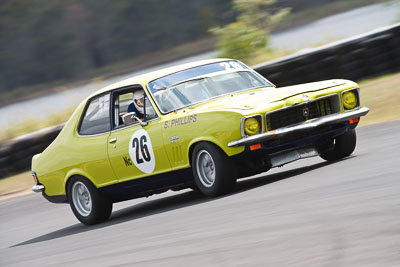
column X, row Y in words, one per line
column 70, row 154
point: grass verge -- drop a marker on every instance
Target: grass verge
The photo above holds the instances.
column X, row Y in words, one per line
column 31, row 125
column 381, row 95
column 16, row 185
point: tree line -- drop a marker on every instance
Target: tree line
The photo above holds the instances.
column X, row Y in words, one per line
column 45, row 41
column 42, row 41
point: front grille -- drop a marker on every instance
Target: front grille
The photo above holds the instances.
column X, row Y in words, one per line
column 302, row 112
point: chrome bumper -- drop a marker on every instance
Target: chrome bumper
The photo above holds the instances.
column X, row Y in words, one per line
column 308, row 125
column 38, row 188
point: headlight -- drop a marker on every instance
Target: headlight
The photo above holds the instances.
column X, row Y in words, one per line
column 349, row 100
column 251, row 126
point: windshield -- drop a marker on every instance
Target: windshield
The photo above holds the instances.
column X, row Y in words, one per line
column 194, row 86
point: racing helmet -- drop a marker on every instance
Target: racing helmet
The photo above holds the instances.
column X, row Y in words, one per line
column 138, row 100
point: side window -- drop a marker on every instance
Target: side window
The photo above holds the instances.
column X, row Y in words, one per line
column 97, row 116
column 150, row 111
column 123, row 103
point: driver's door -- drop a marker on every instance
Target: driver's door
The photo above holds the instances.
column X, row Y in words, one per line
column 136, row 150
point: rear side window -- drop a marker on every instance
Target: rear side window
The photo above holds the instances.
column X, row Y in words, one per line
column 97, row 116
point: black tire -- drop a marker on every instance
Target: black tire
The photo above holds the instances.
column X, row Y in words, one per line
column 218, row 176
column 86, row 202
column 340, row 147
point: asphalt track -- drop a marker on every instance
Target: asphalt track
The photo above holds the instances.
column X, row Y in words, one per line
column 308, row 213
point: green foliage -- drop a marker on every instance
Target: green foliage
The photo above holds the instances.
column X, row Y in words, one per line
column 239, row 40
column 242, row 38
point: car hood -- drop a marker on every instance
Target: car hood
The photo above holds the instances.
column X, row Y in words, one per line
column 260, row 97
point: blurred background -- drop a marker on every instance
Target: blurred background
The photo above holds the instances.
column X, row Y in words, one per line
column 55, row 53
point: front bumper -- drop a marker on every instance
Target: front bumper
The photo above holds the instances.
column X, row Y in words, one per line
column 308, row 125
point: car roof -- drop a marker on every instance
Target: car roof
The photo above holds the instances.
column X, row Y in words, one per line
column 143, row 79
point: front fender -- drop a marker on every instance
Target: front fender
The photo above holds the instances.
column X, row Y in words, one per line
column 222, row 144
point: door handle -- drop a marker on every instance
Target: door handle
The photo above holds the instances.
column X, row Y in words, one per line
column 112, row 140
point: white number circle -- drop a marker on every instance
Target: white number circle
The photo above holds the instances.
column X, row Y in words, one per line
column 141, row 151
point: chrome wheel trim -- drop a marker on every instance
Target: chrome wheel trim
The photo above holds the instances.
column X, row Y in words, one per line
column 205, row 168
column 81, row 198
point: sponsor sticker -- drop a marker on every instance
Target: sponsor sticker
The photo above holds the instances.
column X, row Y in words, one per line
column 180, row 121
column 141, row 151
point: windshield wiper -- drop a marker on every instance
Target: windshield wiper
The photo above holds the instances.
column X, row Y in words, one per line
column 201, row 78
column 181, row 82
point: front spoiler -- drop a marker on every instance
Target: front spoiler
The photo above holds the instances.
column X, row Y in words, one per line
column 308, row 125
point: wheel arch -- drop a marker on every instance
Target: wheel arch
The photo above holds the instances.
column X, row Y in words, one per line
column 229, row 151
column 193, row 145
column 75, row 173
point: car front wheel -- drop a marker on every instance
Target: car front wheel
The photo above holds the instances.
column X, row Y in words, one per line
column 213, row 171
column 340, row 147
column 86, row 202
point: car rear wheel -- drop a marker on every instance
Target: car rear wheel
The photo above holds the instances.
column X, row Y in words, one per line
column 340, row 147
column 213, row 171
column 86, row 202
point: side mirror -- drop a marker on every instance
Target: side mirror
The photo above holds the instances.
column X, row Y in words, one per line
column 131, row 118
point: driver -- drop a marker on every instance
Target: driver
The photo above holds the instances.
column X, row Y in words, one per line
column 138, row 104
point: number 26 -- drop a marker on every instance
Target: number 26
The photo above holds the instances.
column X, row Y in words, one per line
column 142, row 151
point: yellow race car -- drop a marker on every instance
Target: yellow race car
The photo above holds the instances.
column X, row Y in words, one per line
column 199, row 125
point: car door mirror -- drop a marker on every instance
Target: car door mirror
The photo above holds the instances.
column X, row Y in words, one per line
column 131, row 118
